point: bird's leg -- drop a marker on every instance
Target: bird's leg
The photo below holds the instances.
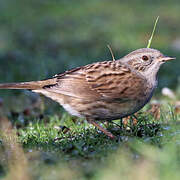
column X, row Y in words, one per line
column 101, row 129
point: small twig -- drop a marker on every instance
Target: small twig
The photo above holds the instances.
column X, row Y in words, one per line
column 154, row 28
column 111, row 52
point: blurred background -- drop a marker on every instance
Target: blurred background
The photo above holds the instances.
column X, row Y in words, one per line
column 40, row 38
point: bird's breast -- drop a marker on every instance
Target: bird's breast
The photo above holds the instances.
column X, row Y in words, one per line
column 115, row 109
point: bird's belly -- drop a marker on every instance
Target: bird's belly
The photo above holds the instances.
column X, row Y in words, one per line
column 100, row 110
column 116, row 111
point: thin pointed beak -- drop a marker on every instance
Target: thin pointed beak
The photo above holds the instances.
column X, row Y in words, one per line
column 166, row 58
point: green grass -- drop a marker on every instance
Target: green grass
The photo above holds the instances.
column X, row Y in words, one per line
column 148, row 150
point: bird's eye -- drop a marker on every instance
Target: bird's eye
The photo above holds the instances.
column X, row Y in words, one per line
column 145, row 58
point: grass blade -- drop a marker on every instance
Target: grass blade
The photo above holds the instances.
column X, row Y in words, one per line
column 154, row 28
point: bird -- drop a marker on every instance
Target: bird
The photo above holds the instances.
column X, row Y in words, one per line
column 105, row 90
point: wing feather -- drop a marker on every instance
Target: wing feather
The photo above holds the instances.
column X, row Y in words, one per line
column 108, row 80
column 114, row 80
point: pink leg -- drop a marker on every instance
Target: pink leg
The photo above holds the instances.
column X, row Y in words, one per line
column 102, row 129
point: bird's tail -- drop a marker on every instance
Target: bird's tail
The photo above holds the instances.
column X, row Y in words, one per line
column 32, row 85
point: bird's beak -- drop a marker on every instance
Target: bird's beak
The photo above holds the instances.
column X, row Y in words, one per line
column 165, row 58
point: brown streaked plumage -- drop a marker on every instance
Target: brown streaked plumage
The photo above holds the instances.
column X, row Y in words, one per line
column 103, row 91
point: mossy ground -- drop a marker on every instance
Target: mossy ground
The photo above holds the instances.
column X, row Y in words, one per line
column 63, row 147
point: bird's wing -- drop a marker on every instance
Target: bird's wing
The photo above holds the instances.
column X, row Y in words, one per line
column 106, row 80
column 114, row 80
column 73, row 83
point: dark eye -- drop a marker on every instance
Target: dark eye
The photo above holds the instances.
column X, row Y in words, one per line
column 145, row 58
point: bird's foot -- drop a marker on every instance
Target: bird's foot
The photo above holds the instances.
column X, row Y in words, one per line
column 102, row 129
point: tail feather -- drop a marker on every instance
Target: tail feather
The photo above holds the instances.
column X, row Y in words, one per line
column 32, row 85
